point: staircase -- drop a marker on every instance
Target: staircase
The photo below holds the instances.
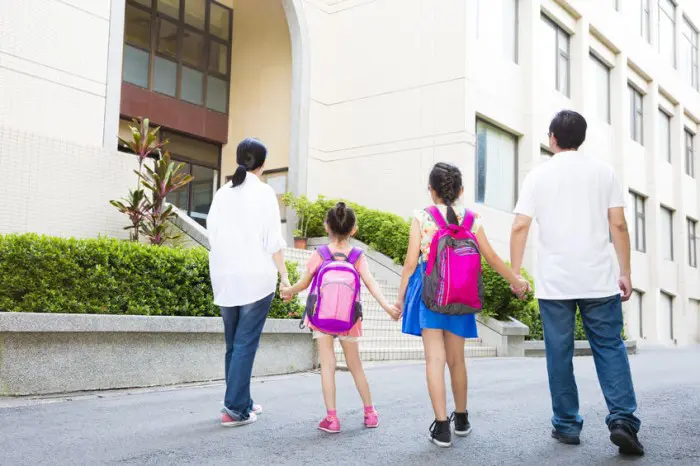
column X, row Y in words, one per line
column 382, row 339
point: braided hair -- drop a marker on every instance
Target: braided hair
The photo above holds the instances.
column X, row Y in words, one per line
column 446, row 181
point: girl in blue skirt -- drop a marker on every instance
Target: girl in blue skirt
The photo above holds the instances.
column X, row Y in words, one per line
column 443, row 335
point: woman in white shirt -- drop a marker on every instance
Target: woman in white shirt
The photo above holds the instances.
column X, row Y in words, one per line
column 246, row 254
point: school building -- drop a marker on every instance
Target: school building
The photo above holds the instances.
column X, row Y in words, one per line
column 358, row 99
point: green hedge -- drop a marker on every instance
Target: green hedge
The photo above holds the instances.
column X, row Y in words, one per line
column 108, row 276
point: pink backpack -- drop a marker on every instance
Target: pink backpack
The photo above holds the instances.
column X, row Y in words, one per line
column 453, row 282
column 333, row 305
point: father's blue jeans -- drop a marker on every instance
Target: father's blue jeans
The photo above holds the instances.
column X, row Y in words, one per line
column 602, row 321
column 243, row 326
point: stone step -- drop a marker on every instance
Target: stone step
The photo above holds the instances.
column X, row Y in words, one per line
column 396, row 353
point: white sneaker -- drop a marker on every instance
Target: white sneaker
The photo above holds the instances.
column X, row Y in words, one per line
column 228, row 421
column 257, row 409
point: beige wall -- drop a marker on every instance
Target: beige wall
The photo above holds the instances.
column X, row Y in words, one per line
column 261, row 73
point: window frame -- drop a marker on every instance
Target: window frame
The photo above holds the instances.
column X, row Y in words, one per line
column 692, row 228
column 671, row 299
column 645, row 20
column 636, row 113
column 670, row 212
column 640, row 310
column 477, row 184
column 664, row 114
column 182, row 27
column 278, row 171
column 639, row 201
column 559, row 53
column 693, row 42
column 689, row 138
column 608, row 109
column 516, row 31
column 672, row 17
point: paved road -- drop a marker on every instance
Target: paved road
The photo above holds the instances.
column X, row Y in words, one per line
column 509, row 408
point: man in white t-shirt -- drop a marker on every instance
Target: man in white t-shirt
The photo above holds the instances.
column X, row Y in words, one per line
column 578, row 204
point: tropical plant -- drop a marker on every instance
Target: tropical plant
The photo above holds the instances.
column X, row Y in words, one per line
column 161, row 180
column 144, row 141
column 303, row 208
column 135, row 206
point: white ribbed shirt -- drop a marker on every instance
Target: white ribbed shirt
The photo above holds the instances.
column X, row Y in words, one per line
column 244, row 232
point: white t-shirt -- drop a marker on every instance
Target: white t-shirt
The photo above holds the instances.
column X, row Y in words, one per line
column 569, row 197
column 244, row 231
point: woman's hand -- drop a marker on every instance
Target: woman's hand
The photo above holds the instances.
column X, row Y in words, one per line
column 393, row 311
column 284, row 281
column 286, row 293
column 521, row 287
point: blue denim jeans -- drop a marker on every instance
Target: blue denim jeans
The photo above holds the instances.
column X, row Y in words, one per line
column 243, row 326
column 602, row 321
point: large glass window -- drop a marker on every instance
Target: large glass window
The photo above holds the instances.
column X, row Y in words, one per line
column 667, row 31
column 496, row 158
column 636, row 115
column 689, row 153
column 634, row 321
column 201, row 160
column 602, row 88
column 278, row 179
column 559, row 40
column 639, row 223
column 664, row 136
column 188, row 55
column 692, row 242
column 689, row 53
column 667, row 233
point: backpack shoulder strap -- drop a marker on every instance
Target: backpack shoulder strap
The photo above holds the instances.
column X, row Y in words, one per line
column 437, row 216
column 468, row 220
column 325, row 253
column 354, row 255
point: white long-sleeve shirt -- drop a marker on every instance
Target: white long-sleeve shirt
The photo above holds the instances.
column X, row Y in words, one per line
column 244, row 232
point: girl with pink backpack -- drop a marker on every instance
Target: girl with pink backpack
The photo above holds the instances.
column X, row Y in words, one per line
column 334, row 309
column 441, row 291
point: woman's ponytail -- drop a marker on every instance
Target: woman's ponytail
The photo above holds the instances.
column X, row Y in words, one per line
column 239, row 176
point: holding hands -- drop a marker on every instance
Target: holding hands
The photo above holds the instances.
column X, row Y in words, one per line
column 520, row 287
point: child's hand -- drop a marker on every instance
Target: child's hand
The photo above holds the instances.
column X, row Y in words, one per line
column 521, row 288
column 286, row 293
column 393, row 311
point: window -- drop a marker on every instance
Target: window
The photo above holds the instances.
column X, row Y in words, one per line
column 635, row 327
column 643, row 11
column 496, row 158
column 689, row 153
column 201, row 160
column 636, row 116
column 665, row 136
column 689, row 53
column 602, row 88
column 667, row 31
column 279, row 181
column 667, row 233
column 639, row 223
column 180, row 49
column 559, row 39
column 666, row 316
column 510, row 29
column 615, row 4
column 692, row 242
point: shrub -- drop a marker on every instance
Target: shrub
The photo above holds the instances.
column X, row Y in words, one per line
column 108, row 276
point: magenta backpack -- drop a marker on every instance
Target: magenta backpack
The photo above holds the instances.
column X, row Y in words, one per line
column 333, row 305
column 453, row 281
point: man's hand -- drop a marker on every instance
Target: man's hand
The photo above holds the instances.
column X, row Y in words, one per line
column 625, row 283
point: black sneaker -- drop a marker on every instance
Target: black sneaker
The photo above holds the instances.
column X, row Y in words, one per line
column 566, row 439
column 622, row 435
column 441, row 433
column 462, row 426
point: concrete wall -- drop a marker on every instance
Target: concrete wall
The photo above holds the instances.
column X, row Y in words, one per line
column 53, row 75
column 100, row 352
column 261, row 80
column 61, row 188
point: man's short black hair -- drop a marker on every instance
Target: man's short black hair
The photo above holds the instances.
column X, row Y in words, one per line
column 569, row 129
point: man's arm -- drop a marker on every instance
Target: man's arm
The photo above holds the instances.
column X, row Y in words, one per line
column 621, row 241
column 518, row 240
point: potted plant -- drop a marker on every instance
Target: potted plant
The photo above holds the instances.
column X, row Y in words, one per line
column 302, row 208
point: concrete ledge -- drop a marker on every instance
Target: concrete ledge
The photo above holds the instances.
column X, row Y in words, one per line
column 196, row 232
column 535, row 348
column 58, row 353
column 506, row 336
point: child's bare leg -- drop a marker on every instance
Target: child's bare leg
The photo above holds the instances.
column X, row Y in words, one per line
column 327, row 356
column 434, row 345
column 352, row 358
column 454, row 347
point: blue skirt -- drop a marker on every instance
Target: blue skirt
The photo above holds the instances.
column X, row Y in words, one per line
column 417, row 317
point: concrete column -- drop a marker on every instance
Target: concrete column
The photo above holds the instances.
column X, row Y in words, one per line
column 114, row 74
column 680, row 243
column 581, row 66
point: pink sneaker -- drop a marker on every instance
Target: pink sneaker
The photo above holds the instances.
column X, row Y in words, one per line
column 330, row 425
column 371, row 419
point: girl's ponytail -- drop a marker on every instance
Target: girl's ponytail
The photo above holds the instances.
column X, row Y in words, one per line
column 446, row 181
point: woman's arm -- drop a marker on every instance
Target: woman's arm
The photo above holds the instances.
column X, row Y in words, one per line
column 288, row 292
column 411, row 262
column 518, row 284
column 278, row 258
